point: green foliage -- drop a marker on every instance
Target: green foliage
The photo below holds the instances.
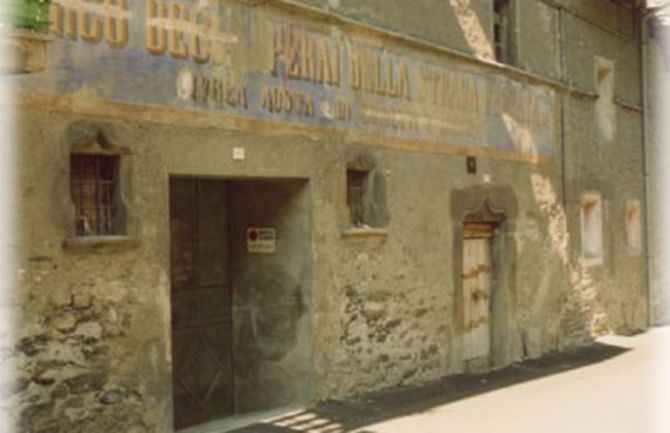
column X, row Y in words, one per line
column 33, row 14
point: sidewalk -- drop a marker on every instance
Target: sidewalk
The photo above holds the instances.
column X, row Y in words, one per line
column 609, row 387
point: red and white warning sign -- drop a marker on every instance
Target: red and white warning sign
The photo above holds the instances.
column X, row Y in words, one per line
column 261, row 240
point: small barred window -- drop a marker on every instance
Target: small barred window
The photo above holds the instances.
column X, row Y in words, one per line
column 356, row 184
column 94, row 180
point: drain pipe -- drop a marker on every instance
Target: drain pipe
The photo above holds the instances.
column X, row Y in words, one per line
column 562, row 47
column 644, row 38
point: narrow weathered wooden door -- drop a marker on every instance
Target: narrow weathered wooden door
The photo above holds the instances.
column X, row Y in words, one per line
column 476, row 277
column 201, row 302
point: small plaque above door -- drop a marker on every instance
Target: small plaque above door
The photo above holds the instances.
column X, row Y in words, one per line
column 261, row 240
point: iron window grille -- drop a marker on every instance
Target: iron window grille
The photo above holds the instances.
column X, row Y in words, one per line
column 94, row 181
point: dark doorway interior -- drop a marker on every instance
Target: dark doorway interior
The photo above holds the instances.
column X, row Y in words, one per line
column 240, row 322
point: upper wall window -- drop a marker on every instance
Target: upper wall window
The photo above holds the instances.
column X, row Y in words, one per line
column 502, row 37
column 605, row 109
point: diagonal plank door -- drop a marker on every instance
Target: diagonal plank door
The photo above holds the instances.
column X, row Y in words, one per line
column 201, row 302
column 476, row 278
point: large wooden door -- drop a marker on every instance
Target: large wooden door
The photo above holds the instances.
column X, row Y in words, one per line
column 476, row 278
column 201, row 302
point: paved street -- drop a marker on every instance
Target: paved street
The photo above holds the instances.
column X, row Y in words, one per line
column 616, row 386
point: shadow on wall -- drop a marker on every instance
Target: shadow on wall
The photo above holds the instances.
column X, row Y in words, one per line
column 355, row 413
column 584, row 287
column 586, row 299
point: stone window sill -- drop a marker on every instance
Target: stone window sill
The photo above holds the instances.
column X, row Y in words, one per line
column 364, row 232
column 100, row 244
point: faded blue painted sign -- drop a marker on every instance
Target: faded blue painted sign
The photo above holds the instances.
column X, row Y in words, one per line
column 261, row 63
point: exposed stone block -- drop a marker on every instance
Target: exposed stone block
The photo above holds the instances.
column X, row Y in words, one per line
column 64, row 322
column 87, row 382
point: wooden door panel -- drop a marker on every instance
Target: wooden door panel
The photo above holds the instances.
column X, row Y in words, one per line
column 201, row 303
column 468, row 286
column 212, row 268
column 212, row 234
column 476, row 283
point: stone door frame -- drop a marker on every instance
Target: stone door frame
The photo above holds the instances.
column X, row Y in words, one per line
column 494, row 205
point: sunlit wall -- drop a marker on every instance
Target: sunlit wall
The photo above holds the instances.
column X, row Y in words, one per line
column 657, row 111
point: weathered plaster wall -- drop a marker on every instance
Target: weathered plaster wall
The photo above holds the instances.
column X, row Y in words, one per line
column 394, row 295
column 434, row 21
column 618, row 285
column 584, row 41
column 539, row 36
column 94, row 339
column 612, row 17
column 595, row 156
column 93, row 334
column 384, row 304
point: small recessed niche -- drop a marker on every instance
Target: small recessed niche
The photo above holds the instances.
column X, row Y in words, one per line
column 591, row 217
column 633, row 220
column 366, row 194
column 471, row 164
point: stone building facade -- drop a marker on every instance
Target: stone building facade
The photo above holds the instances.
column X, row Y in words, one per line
column 228, row 206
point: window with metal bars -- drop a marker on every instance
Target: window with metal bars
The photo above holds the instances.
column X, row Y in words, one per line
column 366, row 193
column 356, row 183
column 94, row 181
